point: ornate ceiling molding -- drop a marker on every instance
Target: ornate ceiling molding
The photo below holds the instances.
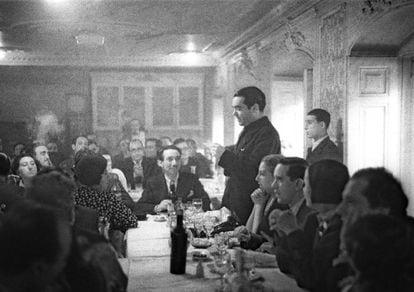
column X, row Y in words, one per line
column 20, row 58
column 273, row 21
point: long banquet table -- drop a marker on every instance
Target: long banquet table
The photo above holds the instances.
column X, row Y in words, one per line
column 148, row 264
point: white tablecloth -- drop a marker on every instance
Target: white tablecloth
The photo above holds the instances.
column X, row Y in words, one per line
column 148, row 255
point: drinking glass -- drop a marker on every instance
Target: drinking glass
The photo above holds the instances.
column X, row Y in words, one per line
column 221, row 241
column 208, row 225
column 198, row 204
column 222, row 264
column 198, row 223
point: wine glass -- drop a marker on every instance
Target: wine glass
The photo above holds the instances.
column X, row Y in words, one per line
column 198, row 204
column 208, row 225
column 221, row 242
column 198, row 223
column 222, row 263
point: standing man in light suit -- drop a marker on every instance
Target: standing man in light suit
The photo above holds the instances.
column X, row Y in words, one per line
column 241, row 161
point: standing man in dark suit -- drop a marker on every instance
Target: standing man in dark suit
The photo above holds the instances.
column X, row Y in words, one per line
column 241, row 161
column 138, row 168
column 172, row 184
column 316, row 126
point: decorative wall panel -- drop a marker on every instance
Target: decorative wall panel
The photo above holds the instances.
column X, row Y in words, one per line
column 332, row 58
column 373, row 81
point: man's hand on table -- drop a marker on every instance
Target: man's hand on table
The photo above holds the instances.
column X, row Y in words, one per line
column 164, row 205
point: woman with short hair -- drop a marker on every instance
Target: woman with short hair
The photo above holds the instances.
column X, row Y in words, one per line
column 26, row 167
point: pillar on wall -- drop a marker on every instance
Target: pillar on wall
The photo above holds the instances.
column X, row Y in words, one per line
column 330, row 89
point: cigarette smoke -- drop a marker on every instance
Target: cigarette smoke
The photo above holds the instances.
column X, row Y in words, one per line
column 47, row 127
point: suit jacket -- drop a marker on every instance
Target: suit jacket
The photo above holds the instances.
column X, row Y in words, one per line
column 325, row 150
column 149, row 166
column 315, row 271
column 201, row 164
column 156, row 190
column 241, row 162
column 298, row 243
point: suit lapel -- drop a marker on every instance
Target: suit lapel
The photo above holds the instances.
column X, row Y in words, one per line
column 302, row 214
column 181, row 186
column 321, row 146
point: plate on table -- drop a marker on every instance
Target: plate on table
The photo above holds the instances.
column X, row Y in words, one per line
column 200, row 242
column 201, row 255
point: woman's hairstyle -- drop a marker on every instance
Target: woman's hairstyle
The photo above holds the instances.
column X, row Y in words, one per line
column 271, row 161
column 16, row 163
column 89, row 169
column 327, row 179
column 4, row 164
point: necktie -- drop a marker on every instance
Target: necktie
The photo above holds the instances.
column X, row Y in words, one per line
column 172, row 192
column 172, row 189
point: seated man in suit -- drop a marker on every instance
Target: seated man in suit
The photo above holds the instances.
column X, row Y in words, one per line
column 316, row 127
column 138, row 168
column 288, row 184
column 162, row 189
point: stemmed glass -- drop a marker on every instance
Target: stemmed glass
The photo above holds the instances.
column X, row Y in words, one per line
column 198, row 223
column 222, row 263
column 208, row 226
column 198, row 204
column 221, row 242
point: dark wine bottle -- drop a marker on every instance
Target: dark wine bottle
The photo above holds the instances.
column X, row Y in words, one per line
column 178, row 246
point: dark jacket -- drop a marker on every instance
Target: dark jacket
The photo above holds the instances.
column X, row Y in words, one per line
column 149, row 166
column 325, row 150
column 92, row 265
column 156, row 190
column 293, row 247
column 313, row 269
column 201, row 164
column 256, row 239
column 86, row 218
column 241, row 162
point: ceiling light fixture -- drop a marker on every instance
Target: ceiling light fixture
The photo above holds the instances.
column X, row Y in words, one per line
column 2, row 54
column 191, row 47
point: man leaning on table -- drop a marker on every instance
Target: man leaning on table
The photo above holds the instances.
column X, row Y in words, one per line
column 157, row 195
column 241, row 161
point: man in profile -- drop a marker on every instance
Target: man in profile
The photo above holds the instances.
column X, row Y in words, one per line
column 41, row 154
column 78, row 143
column 241, row 161
column 316, row 127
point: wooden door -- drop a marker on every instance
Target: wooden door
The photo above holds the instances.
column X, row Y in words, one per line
column 373, row 114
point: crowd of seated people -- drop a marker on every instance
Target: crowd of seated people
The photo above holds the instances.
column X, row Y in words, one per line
column 324, row 228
